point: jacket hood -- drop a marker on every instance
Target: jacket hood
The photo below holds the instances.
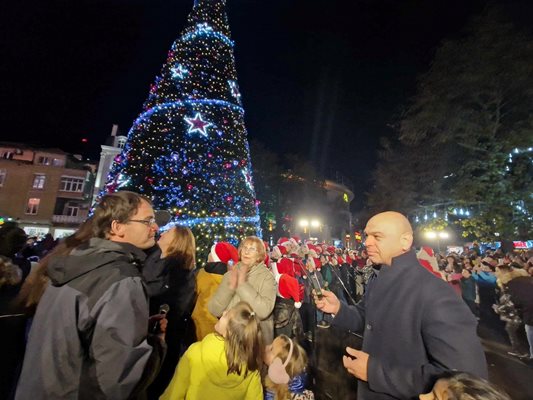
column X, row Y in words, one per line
column 215, row 363
column 89, row 256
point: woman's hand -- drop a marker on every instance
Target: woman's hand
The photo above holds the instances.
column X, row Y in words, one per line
column 233, row 278
column 242, row 273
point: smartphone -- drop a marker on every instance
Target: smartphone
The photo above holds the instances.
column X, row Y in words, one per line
column 316, row 285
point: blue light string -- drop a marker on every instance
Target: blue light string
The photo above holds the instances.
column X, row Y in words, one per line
column 210, row 220
column 203, row 31
column 176, row 104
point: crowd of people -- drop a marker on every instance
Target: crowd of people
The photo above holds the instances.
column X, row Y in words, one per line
column 117, row 311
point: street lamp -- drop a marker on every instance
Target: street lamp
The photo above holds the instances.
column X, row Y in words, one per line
column 304, row 223
column 308, row 224
column 442, row 235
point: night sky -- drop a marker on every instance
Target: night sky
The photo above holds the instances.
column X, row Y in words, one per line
column 321, row 78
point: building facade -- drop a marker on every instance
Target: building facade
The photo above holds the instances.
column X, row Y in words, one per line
column 109, row 151
column 44, row 190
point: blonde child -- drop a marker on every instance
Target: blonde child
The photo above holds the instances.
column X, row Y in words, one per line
column 286, row 376
column 225, row 364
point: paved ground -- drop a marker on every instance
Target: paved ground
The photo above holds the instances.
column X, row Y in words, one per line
column 333, row 382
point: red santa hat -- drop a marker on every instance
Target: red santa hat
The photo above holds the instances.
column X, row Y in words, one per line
column 282, row 240
column 223, row 252
column 288, row 288
column 285, row 266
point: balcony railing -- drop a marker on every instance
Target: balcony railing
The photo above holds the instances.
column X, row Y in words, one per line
column 68, row 219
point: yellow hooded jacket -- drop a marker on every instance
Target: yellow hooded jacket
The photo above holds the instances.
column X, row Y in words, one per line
column 202, row 374
column 206, row 285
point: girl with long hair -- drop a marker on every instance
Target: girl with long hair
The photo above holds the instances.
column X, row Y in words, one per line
column 286, row 378
column 225, row 364
column 170, row 275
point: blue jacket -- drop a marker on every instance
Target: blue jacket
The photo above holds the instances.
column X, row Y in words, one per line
column 483, row 278
column 415, row 327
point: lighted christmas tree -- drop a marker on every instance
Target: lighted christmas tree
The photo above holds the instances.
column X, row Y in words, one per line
column 188, row 150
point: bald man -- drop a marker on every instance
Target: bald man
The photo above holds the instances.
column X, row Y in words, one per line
column 414, row 326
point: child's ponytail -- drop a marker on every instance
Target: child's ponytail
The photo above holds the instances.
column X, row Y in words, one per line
column 244, row 344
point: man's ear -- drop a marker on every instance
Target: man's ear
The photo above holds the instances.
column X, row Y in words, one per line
column 406, row 241
column 117, row 229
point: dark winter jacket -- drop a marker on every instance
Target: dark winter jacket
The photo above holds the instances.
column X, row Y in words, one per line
column 89, row 338
column 415, row 327
column 521, row 291
column 177, row 290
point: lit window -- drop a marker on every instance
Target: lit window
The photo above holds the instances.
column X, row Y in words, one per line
column 38, row 181
column 33, row 206
column 8, row 155
column 3, row 174
column 69, row 184
column 57, row 162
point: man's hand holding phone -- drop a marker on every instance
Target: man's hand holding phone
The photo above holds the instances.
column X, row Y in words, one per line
column 328, row 302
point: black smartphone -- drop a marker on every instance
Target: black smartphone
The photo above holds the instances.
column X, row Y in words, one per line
column 316, row 285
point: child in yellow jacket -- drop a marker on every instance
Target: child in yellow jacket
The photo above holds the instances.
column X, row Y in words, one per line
column 224, row 365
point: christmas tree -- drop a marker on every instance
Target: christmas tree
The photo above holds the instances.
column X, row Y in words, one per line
column 187, row 150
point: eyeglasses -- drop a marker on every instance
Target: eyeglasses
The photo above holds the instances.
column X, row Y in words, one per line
column 147, row 222
column 248, row 249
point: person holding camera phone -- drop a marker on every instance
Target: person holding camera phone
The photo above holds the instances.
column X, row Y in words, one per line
column 414, row 326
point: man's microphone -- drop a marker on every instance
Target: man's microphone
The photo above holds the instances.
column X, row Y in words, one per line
column 163, row 310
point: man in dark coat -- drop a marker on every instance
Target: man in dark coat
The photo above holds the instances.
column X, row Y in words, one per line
column 521, row 291
column 415, row 327
column 89, row 338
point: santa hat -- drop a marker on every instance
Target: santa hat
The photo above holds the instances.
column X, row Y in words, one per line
column 340, row 260
column 285, row 266
column 223, row 252
column 288, row 288
column 427, row 259
column 318, row 264
column 282, row 240
column 311, row 246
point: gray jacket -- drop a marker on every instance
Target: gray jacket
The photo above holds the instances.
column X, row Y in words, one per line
column 89, row 338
